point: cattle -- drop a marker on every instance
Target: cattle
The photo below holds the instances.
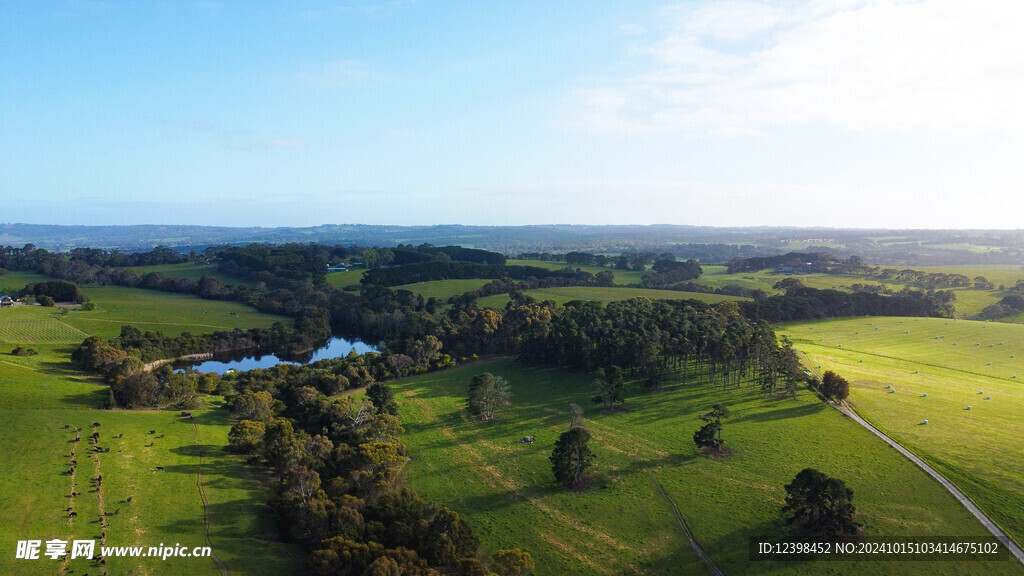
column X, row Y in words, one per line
column 525, row 440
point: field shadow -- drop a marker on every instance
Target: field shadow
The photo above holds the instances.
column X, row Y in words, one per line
column 797, row 411
column 636, row 466
column 93, row 399
column 240, row 528
column 491, row 502
column 217, row 464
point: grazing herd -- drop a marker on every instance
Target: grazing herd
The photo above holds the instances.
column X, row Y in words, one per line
column 97, row 480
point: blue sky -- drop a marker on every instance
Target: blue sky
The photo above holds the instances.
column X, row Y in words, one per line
column 847, row 113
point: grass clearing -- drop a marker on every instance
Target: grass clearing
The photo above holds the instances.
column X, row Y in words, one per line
column 443, row 289
column 622, row 277
column 598, row 294
column 622, row 524
column 166, row 312
column 937, row 368
column 345, row 279
column 191, row 271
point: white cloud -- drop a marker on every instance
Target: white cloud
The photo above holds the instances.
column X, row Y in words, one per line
column 729, row 67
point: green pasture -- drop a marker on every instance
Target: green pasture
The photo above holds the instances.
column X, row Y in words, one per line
column 166, row 507
column 167, row 312
column 969, row 302
column 620, row 524
column 190, row 271
column 41, row 394
column 12, row 282
column 343, row 279
column 598, row 294
column 717, row 277
column 938, row 368
column 443, row 289
column 622, row 277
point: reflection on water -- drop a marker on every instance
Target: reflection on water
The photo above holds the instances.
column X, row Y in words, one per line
column 335, row 348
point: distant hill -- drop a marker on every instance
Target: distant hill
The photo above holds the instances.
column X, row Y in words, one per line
column 707, row 244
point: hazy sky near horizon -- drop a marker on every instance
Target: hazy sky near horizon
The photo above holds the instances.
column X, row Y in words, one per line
column 846, row 113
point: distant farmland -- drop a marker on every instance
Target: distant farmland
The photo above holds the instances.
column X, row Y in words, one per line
column 563, row 295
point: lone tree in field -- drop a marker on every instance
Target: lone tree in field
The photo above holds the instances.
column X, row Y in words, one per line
column 383, row 398
column 610, row 387
column 571, row 457
column 821, row 505
column 709, row 437
column 488, row 393
column 834, row 386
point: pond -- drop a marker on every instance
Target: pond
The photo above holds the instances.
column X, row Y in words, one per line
column 335, row 348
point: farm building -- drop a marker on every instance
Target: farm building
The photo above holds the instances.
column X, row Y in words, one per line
column 6, row 301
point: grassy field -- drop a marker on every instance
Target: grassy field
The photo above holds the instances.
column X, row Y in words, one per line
column 567, row 294
column 938, row 368
column 622, row 277
column 969, row 301
column 12, row 282
column 343, row 279
column 190, row 271
column 41, row 394
column 621, row 525
column 443, row 289
column 166, row 508
column 169, row 313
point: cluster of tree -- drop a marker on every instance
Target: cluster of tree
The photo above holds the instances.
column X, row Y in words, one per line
column 444, row 270
column 54, row 290
column 811, row 304
column 160, row 388
column 1011, row 305
column 651, row 340
column 23, row 351
column 585, row 259
column 570, row 277
column 667, row 272
column 805, row 262
column 337, row 462
column 821, row 506
column 926, row 280
column 276, row 265
column 116, row 258
column 727, row 290
column 711, row 252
